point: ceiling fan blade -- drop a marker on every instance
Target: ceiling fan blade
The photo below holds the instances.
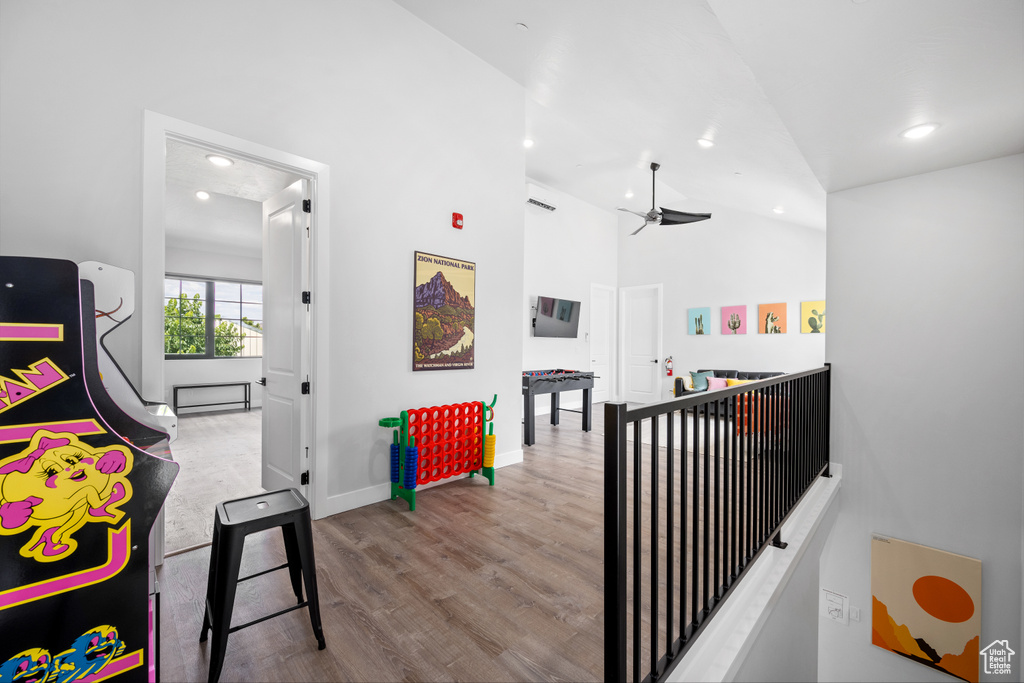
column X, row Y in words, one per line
column 638, row 213
column 672, row 217
column 638, row 229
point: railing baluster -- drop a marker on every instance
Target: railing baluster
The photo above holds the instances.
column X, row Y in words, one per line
column 684, row 486
column 655, row 504
column 706, row 563
column 637, row 548
column 695, row 566
column 717, row 511
column 615, row 525
column 670, row 532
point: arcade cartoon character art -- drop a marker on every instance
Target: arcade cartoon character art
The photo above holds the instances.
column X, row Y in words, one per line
column 31, row 666
column 57, row 485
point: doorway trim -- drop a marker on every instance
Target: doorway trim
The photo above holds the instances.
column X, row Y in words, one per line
column 157, row 128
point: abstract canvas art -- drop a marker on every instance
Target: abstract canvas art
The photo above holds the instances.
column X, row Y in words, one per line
column 926, row 605
column 698, row 320
column 771, row 319
column 812, row 317
column 734, row 319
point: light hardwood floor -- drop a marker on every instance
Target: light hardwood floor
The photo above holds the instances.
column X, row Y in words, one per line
column 481, row 583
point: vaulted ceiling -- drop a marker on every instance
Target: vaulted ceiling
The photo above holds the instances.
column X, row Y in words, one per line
column 800, row 97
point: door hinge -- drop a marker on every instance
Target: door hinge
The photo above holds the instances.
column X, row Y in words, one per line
column 305, row 387
column 307, row 205
column 304, row 479
column 305, row 297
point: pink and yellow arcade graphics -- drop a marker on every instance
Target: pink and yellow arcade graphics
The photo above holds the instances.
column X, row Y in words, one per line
column 78, row 496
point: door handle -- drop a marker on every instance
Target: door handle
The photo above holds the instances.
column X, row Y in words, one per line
column 655, row 360
column 262, row 381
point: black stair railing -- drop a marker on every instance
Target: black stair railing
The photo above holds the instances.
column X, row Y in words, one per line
column 695, row 489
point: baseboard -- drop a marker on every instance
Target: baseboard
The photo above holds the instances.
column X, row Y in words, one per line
column 350, row 500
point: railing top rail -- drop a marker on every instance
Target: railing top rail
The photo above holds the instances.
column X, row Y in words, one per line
column 655, row 409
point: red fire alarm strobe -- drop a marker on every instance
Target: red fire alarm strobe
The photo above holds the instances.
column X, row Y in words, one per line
column 457, row 220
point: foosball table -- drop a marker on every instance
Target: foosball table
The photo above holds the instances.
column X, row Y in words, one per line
column 553, row 382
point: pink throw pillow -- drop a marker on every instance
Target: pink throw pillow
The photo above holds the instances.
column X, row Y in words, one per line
column 716, row 383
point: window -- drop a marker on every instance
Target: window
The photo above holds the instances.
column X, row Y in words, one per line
column 212, row 318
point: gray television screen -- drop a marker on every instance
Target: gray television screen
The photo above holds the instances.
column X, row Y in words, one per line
column 556, row 317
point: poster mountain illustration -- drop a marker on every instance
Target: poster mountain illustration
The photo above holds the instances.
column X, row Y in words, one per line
column 438, row 292
column 886, row 633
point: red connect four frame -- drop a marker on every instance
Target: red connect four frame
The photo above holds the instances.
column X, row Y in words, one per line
column 449, row 439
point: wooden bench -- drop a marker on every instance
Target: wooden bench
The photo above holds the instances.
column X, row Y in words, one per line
column 203, row 385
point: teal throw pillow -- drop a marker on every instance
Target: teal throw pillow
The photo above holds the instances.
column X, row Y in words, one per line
column 700, row 380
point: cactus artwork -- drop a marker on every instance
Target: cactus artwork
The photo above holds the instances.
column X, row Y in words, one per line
column 696, row 319
column 812, row 317
column 734, row 319
column 772, row 318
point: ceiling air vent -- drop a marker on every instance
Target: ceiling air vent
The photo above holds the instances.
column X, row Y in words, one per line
column 539, row 197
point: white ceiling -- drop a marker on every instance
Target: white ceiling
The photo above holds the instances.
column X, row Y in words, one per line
column 801, row 97
column 231, row 220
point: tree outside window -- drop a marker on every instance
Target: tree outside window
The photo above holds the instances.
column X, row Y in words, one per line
column 212, row 318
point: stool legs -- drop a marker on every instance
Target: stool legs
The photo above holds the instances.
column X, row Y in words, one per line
column 222, row 603
column 210, row 579
column 303, row 530
column 295, row 563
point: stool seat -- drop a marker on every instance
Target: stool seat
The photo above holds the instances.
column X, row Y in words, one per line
column 233, row 521
column 260, row 512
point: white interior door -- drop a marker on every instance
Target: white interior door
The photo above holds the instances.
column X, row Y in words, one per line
column 641, row 343
column 602, row 339
column 285, row 337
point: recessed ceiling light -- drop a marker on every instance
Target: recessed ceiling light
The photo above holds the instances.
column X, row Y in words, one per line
column 629, row 194
column 919, row 131
column 779, row 209
column 705, row 143
column 202, row 194
column 522, row 27
column 218, row 160
column 527, row 143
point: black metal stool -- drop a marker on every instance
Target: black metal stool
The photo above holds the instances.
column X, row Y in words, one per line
column 233, row 521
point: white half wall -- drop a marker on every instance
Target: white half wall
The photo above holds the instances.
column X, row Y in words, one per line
column 732, row 259
column 564, row 252
column 926, row 341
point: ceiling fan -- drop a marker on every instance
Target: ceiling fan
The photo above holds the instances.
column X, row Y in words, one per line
column 664, row 216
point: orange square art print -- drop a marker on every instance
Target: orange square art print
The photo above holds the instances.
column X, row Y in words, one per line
column 771, row 319
column 926, row 605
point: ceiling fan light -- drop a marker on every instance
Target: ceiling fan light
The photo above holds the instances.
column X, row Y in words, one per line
column 705, row 143
column 527, row 143
column 919, row 131
column 202, row 194
column 218, row 160
column 629, row 194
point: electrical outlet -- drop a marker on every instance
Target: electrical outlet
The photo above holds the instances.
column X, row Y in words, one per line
column 854, row 613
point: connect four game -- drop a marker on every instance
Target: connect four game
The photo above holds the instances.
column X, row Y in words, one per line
column 435, row 443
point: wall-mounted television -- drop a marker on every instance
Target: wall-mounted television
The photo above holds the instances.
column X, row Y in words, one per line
column 556, row 317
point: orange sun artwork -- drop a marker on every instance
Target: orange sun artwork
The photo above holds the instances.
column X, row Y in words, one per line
column 926, row 605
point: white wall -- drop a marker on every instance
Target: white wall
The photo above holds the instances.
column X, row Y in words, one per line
column 926, row 340
column 734, row 258
column 411, row 125
column 565, row 251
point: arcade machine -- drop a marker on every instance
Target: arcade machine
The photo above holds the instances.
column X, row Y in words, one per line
column 81, row 483
column 114, row 294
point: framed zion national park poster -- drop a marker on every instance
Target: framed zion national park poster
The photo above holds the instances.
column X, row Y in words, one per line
column 444, row 313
